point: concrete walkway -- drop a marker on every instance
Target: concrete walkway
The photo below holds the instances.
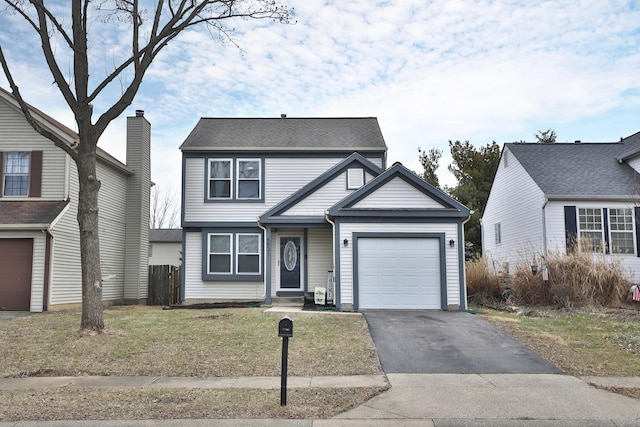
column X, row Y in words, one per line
column 413, row 400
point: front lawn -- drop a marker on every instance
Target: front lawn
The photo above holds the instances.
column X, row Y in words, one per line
column 184, row 342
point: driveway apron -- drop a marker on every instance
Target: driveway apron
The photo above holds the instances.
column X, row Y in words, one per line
column 442, row 342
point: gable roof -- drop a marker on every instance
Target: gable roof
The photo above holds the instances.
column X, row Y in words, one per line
column 63, row 132
column 354, row 159
column 318, row 134
column 580, row 170
column 449, row 207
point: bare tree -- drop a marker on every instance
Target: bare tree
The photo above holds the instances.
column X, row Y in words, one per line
column 164, row 209
column 65, row 35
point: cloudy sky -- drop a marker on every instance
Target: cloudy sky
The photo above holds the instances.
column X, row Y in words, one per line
column 430, row 71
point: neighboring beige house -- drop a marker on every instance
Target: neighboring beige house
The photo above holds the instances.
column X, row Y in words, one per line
column 39, row 237
column 165, row 246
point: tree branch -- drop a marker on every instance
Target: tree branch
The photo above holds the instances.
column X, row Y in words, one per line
column 58, row 142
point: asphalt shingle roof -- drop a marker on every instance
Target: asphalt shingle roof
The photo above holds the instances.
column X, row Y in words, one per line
column 30, row 212
column 349, row 134
column 167, row 235
column 581, row 170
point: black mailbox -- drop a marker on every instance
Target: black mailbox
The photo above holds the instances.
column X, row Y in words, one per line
column 285, row 327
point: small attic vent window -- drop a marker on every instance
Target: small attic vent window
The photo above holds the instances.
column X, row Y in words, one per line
column 355, row 178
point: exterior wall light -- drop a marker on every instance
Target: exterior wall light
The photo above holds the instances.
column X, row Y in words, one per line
column 452, row 243
column 345, row 242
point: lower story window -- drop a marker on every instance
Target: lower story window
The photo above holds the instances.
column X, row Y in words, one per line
column 248, row 254
column 219, row 253
column 590, row 229
column 233, row 254
column 621, row 226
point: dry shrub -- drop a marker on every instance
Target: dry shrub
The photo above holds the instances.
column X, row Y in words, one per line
column 578, row 278
column 484, row 284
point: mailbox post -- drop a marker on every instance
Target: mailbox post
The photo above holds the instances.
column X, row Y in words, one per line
column 285, row 331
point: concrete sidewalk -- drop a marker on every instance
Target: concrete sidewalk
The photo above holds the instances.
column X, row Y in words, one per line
column 413, row 400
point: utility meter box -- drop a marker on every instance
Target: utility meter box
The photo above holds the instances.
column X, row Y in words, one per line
column 285, row 327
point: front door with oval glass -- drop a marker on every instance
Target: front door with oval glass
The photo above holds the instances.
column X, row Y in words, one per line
column 290, row 267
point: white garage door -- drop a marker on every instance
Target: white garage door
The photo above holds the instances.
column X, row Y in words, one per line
column 399, row 273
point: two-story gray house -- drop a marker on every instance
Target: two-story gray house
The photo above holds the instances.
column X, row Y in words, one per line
column 277, row 207
column 39, row 235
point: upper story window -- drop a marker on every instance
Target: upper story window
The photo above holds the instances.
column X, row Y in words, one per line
column 355, row 178
column 220, row 179
column 498, row 233
column 15, row 180
column 239, row 179
column 248, row 179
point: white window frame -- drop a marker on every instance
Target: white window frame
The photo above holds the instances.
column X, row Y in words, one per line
column 258, row 254
column 210, row 179
column 210, row 253
column 9, row 171
column 589, row 233
column 239, row 179
column 628, row 228
column 355, row 178
column 498, row 233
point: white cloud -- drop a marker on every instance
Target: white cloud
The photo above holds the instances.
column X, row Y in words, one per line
column 430, row 71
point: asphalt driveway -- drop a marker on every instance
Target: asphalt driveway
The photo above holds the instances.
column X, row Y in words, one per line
column 442, row 342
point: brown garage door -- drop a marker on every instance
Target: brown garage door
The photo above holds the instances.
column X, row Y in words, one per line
column 15, row 274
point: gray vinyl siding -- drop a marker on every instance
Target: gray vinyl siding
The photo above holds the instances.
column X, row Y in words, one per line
column 347, row 256
column 136, row 197
column 17, row 135
column 397, row 192
column 283, row 177
column 516, row 203
column 319, row 257
column 112, row 202
column 66, row 285
column 198, row 290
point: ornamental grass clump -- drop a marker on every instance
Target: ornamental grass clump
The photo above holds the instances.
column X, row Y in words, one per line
column 579, row 278
column 484, row 283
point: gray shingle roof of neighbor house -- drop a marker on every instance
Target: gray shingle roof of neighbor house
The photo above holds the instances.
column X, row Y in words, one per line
column 165, row 235
column 581, row 170
column 323, row 134
column 30, row 213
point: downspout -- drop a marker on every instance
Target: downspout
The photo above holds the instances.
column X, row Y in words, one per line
column 463, row 270
column 267, row 288
column 336, row 298
column 544, row 225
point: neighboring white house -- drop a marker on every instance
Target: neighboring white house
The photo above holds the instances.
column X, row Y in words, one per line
column 549, row 197
column 39, row 236
column 277, row 207
column 165, row 246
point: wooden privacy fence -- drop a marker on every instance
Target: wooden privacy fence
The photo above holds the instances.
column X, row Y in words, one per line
column 164, row 285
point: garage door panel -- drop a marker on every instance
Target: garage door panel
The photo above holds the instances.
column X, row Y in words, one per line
column 399, row 273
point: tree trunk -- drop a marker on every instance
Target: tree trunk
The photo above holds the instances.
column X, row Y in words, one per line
column 89, row 235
